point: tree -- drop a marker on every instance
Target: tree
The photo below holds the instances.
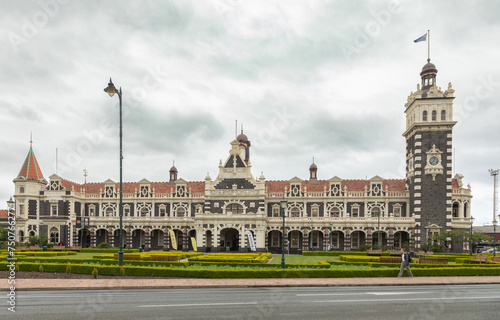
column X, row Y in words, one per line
column 4, row 234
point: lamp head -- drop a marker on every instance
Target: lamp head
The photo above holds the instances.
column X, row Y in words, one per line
column 111, row 90
column 283, row 202
column 494, row 222
column 10, row 203
column 472, row 220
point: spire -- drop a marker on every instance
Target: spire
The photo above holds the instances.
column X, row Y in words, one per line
column 313, row 173
column 30, row 169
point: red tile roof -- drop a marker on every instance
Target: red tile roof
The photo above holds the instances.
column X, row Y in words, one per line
column 4, row 214
column 30, row 169
column 196, row 186
column 454, row 184
column 352, row 185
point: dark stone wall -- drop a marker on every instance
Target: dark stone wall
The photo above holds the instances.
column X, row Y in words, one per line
column 240, row 183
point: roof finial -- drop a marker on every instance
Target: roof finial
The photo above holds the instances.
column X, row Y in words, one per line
column 85, row 174
column 242, row 128
column 31, row 140
column 313, row 160
column 236, row 128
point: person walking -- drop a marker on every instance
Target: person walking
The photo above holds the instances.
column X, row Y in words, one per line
column 405, row 263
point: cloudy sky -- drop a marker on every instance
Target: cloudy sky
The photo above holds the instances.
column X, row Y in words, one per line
column 322, row 79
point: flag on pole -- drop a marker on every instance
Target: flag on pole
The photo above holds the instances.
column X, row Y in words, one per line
column 422, row 38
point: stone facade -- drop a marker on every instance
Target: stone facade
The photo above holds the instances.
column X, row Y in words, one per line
column 218, row 213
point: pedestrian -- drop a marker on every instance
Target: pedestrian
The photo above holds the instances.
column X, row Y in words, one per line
column 405, row 263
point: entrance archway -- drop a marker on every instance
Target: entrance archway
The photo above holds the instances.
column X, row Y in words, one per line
column 230, row 239
column 84, row 238
column 157, row 239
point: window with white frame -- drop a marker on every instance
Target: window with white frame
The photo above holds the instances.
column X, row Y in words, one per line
column 355, row 240
column 375, row 211
column 109, row 212
column 335, row 212
column 355, row 211
column 234, row 208
column 295, row 212
column 163, row 211
column 54, row 235
column 396, row 211
column 21, row 209
column 275, row 238
column 144, row 212
column 276, row 210
column 53, row 210
column 180, row 212
column 91, row 211
column 126, row 210
column 315, row 239
column 315, row 211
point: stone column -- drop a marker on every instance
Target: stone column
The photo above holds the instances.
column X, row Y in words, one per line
column 147, row 240
column 92, row 237
column 111, row 236
column 369, row 236
column 347, row 239
column 166, row 239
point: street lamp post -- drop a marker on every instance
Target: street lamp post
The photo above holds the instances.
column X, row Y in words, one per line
column 470, row 241
column 494, row 237
column 378, row 230
column 283, row 207
column 429, row 236
column 312, row 236
column 111, row 90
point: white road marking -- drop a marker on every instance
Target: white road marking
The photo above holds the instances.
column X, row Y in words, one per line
column 393, row 293
column 197, row 304
column 410, row 299
column 356, row 294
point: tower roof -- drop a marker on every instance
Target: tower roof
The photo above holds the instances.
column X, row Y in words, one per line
column 30, row 169
column 428, row 68
column 242, row 137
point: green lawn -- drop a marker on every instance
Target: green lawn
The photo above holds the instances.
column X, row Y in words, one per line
column 298, row 259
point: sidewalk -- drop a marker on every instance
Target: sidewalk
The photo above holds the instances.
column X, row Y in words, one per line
column 110, row 284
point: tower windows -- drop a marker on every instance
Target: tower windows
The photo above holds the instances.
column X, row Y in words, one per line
column 181, row 212
column 335, row 212
column 443, row 115
column 434, row 114
column 424, row 116
column 234, row 208
column 295, row 212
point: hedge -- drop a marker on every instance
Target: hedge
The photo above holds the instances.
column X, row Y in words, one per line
column 359, row 258
column 114, row 250
column 276, row 273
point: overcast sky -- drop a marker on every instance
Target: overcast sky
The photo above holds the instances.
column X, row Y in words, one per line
column 322, row 79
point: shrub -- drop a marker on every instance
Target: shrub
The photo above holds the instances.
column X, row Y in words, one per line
column 103, row 245
column 68, row 268
column 95, row 273
column 40, row 269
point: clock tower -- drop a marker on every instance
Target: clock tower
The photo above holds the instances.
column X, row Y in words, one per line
column 429, row 126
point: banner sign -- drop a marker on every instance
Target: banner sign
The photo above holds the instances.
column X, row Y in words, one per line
column 173, row 243
column 250, row 241
column 193, row 242
column 78, row 222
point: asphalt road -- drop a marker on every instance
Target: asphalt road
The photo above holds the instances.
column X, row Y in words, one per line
column 454, row 302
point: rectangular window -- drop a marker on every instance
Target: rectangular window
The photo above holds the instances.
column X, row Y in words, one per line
column 53, row 210
column 21, row 209
column 397, row 211
column 355, row 241
column 163, row 211
column 126, row 211
column 91, row 211
column 276, row 211
column 314, row 212
column 275, row 239
column 295, row 240
column 355, row 212
column 335, row 240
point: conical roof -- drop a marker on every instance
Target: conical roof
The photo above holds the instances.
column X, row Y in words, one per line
column 30, row 169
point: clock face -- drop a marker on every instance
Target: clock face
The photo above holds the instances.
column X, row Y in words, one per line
column 433, row 161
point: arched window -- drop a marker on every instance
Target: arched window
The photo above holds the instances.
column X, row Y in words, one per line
column 295, row 212
column 234, row 208
column 375, row 211
column 443, row 115
column 109, row 212
column 434, row 113
column 180, row 212
column 54, row 235
column 144, row 212
column 335, row 212
column 21, row 190
column 424, row 116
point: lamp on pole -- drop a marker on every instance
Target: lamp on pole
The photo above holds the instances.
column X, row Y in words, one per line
column 470, row 241
column 312, row 235
column 10, row 205
column 494, row 237
column 378, row 230
column 111, row 90
column 429, row 236
column 283, row 207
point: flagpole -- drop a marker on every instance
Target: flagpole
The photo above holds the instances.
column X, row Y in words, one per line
column 428, row 45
